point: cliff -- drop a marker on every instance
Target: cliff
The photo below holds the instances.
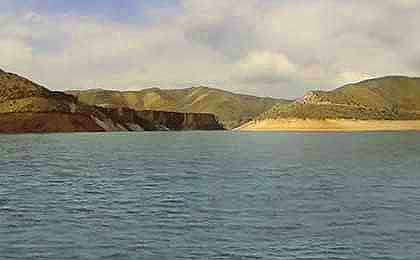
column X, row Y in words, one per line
column 181, row 121
column 231, row 109
column 28, row 107
column 51, row 122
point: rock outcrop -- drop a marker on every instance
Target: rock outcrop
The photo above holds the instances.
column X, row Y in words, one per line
column 28, row 107
column 181, row 121
column 52, row 122
column 387, row 98
column 314, row 97
column 230, row 108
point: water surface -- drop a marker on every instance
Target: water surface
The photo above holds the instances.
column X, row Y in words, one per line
column 210, row 195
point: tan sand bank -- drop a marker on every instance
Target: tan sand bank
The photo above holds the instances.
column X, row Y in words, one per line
column 330, row 125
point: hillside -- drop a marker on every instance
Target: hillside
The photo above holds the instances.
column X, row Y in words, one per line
column 387, row 98
column 19, row 95
column 231, row 109
column 29, row 107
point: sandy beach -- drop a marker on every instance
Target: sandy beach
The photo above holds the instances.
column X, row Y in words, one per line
column 330, row 125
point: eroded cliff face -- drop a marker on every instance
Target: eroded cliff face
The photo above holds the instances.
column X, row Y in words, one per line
column 230, row 108
column 104, row 120
column 181, row 121
column 28, row 107
column 52, row 122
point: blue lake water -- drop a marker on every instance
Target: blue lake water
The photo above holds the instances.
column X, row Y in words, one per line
column 210, row 195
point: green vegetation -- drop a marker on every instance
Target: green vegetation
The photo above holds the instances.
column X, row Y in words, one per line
column 18, row 94
column 28, row 107
column 388, row 98
column 14, row 87
column 231, row 109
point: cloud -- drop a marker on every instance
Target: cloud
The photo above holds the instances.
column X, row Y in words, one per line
column 348, row 77
column 14, row 51
column 68, row 50
column 278, row 48
column 330, row 42
column 265, row 66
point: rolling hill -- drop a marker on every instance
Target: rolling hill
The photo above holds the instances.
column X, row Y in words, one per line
column 231, row 109
column 387, row 98
column 29, row 107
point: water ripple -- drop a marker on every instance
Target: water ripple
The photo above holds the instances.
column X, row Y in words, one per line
column 203, row 195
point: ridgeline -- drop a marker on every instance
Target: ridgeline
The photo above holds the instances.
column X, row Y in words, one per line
column 230, row 109
column 387, row 98
column 27, row 107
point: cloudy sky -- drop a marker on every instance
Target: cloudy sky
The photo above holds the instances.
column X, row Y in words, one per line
column 278, row 48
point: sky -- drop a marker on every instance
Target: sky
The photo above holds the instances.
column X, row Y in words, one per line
column 278, row 48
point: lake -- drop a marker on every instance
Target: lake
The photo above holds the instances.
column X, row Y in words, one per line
column 210, row 195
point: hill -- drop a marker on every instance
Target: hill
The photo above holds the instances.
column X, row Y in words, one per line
column 29, row 107
column 387, row 98
column 19, row 95
column 231, row 109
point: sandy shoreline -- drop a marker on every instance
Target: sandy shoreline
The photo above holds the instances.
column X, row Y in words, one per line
column 330, row 125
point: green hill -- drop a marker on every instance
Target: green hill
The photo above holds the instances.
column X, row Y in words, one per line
column 18, row 95
column 387, row 98
column 29, row 107
column 231, row 109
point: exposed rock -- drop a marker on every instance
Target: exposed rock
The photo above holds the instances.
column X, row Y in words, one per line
column 230, row 108
column 181, row 121
column 28, row 107
column 386, row 98
column 314, row 97
column 47, row 123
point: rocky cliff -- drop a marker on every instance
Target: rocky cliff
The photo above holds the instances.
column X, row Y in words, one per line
column 28, row 107
column 230, row 108
column 181, row 121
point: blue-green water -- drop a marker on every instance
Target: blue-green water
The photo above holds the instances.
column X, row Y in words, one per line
column 210, row 195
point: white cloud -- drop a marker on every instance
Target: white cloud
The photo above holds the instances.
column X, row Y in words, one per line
column 263, row 66
column 348, row 77
column 280, row 48
column 15, row 52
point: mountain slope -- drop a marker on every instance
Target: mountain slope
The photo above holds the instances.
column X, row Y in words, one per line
column 387, row 98
column 28, row 107
column 230, row 108
column 19, row 95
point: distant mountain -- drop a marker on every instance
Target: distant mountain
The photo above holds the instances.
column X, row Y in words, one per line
column 387, row 98
column 28, row 107
column 231, row 109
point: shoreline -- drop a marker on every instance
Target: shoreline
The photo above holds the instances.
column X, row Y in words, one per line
column 329, row 125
